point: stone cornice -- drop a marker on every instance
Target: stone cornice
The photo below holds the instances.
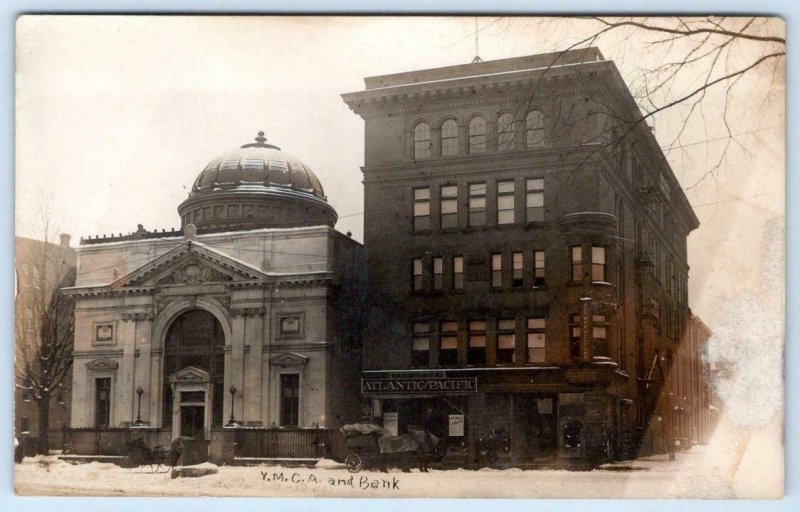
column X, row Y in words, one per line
column 461, row 91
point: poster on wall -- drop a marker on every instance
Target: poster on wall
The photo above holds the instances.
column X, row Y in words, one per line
column 456, row 422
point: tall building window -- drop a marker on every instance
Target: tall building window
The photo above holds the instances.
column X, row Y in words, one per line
column 538, row 268
column 534, row 129
column 497, row 270
column 536, row 340
column 420, row 345
column 422, row 141
column 477, row 135
column 505, row 202
column 437, row 273
column 26, row 390
column 24, row 425
column 290, row 399
column 449, row 138
column 477, row 204
column 448, row 344
column 534, row 200
column 458, row 272
column 598, row 263
column 575, row 335
column 102, row 402
column 599, row 335
column 449, row 206
column 577, row 263
column 416, row 272
column 506, row 341
column 517, row 268
column 505, row 132
column 476, row 351
column 422, row 209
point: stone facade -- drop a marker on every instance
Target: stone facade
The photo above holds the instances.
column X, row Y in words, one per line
column 524, row 234
column 248, row 327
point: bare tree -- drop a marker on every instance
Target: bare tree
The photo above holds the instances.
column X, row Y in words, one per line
column 44, row 325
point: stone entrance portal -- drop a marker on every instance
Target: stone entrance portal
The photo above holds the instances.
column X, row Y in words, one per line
column 191, row 406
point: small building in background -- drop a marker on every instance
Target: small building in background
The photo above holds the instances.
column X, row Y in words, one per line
column 40, row 269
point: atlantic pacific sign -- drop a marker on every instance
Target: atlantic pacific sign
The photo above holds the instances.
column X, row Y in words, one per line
column 420, row 386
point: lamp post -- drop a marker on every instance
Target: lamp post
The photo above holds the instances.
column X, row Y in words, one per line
column 139, row 392
column 232, row 421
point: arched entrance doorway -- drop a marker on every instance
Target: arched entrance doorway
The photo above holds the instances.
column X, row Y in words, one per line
column 193, row 399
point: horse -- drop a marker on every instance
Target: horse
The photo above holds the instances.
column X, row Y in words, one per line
column 418, row 441
column 142, row 455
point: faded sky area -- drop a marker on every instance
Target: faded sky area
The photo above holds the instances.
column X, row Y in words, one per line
column 116, row 116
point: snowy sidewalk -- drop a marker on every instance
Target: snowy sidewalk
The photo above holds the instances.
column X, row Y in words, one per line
column 652, row 477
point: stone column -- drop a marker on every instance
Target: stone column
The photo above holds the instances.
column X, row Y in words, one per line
column 234, row 369
column 126, row 389
column 155, row 387
column 143, row 332
column 252, row 364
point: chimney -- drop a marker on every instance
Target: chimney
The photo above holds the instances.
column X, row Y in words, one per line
column 64, row 239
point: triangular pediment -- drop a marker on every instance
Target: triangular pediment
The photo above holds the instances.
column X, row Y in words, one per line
column 102, row 365
column 188, row 264
column 289, row 359
column 190, row 374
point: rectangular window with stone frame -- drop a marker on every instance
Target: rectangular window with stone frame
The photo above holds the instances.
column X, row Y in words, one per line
column 422, row 209
column 505, row 202
column 477, row 204
column 497, row 270
column 476, row 349
column 506, row 341
column 534, row 200
column 420, row 348
column 416, row 275
column 448, row 343
column 538, row 269
column 438, row 280
column 458, row 272
column 536, row 340
column 448, row 204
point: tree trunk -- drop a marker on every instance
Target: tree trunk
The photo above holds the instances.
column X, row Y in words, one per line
column 44, row 424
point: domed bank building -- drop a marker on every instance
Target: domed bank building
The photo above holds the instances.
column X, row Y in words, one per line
column 242, row 318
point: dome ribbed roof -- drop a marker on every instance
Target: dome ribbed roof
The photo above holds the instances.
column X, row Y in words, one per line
column 254, row 166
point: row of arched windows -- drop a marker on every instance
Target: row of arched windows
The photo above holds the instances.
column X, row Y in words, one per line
column 477, row 135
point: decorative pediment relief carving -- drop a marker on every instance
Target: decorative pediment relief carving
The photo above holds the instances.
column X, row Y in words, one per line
column 289, row 360
column 190, row 374
column 192, row 270
column 102, row 365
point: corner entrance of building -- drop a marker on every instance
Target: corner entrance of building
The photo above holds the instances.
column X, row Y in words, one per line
column 534, row 436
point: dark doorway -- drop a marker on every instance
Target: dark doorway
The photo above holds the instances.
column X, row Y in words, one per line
column 290, row 399
column 535, row 427
column 102, row 402
column 192, row 418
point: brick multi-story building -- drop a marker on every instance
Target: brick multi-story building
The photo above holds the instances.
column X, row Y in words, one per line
column 526, row 247
column 40, row 268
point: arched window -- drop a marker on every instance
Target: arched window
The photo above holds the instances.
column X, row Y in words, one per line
column 422, row 141
column 534, row 129
column 477, row 135
column 449, row 138
column 505, row 132
column 195, row 339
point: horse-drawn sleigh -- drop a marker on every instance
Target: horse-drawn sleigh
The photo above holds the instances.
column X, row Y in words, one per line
column 369, row 446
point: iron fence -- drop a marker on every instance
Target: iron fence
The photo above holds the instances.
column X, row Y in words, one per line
column 283, row 443
column 107, row 441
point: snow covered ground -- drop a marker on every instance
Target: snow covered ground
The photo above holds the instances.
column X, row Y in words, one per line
column 654, row 477
column 738, row 463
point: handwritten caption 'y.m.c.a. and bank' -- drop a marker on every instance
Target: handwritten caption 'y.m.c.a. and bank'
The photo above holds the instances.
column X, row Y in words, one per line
column 361, row 482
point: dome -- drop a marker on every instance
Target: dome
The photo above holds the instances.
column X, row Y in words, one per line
column 257, row 185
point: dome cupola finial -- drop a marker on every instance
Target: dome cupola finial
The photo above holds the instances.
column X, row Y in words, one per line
column 261, row 139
